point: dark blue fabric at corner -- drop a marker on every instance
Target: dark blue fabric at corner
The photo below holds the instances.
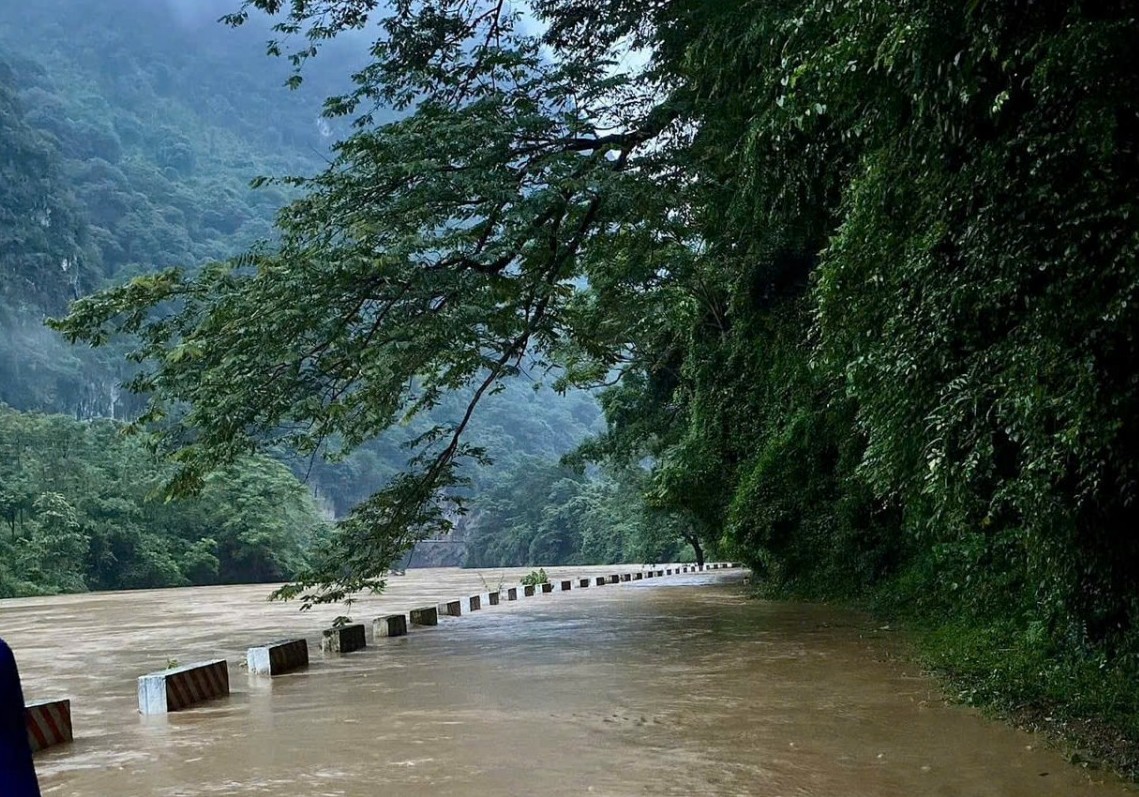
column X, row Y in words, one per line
column 17, row 773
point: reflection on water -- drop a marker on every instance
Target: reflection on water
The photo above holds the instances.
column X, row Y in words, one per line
column 677, row 686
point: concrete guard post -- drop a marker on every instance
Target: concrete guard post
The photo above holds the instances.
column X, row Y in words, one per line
column 660, row 574
column 614, row 579
column 475, row 602
column 601, row 581
column 277, row 658
column 512, row 593
column 626, row 576
column 428, row 615
column 492, row 598
column 49, row 724
column 648, row 574
column 451, row 609
column 638, row 576
column 583, row 583
column 548, row 587
column 567, row 586
column 390, row 625
column 182, row 687
column 344, row 638
column 528, row 590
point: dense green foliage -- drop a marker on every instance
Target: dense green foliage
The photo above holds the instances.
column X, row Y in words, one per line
column 544, row 513
column 80, row 508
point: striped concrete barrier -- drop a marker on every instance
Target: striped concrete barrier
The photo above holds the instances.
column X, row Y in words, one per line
column 614, row 579
column 427, row 615
column 601, row 581
column 277, row 658
column 583, row 583
column 528, row 590
column 475, row 602
column 638, row 576
column 660, row 574
column 344, row 638
column 648, row 574
column 566, row 586
column 548, row 587
column 451, row 609
column 512, row 593
column 182, row 687
column 626, row 576
column 48, row 724
column 390, row 625
column 668, row 572
column 492, row 598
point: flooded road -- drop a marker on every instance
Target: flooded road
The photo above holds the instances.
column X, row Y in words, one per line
column 673, row 686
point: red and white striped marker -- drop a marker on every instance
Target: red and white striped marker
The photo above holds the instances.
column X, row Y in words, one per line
column 49, row 724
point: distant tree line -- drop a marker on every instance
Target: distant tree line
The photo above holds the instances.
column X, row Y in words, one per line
column 81, row 508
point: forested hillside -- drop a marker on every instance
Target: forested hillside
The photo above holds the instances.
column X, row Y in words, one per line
column 131, row 132
column 861, row 278
column 80, row 508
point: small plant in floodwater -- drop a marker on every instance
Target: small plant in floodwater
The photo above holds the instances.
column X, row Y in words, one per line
column 171, row 664
column 341, row 621
column 535, row 577
column 497, row 588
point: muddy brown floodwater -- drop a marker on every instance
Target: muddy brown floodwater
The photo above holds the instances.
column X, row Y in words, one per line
column 674, row 686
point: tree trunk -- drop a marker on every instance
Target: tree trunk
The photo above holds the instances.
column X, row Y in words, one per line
column 695, row 543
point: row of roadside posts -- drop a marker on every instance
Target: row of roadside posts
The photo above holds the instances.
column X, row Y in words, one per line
column 49, row 723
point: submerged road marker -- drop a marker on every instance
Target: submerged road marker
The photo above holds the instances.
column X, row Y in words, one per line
column 475, row 602
column 451, row 609
column 182, row 687
column 567, row 586
column 428, row 615
column 390, row 625
column 49, row 724
column 492, row 598
column 344, row 638
column 277, row 658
